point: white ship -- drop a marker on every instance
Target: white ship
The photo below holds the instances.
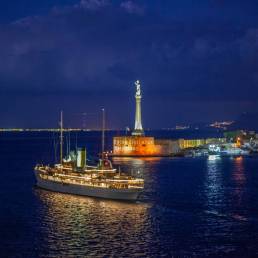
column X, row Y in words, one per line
column 235, row 151
column 228, row 149
column 73, row 176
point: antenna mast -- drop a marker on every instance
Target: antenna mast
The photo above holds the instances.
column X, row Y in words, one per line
column 103, row 133
column 61, row 139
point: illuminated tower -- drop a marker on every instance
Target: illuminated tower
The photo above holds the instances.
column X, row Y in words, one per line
column 138, row 130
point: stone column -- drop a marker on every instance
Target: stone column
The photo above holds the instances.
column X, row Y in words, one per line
column 138, row 130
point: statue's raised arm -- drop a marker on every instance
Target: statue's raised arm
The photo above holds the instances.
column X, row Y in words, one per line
column 138, row 88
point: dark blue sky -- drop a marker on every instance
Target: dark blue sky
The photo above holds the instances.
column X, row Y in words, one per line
column 197, row 60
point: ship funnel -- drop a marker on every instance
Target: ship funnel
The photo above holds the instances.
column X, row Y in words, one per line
column 81, row 158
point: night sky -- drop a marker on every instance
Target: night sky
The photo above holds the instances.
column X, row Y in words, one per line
column 197, row 60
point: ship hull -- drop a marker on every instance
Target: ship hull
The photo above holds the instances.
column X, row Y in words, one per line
column 98, row 192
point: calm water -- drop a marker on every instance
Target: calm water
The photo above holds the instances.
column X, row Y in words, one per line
column 190, row 207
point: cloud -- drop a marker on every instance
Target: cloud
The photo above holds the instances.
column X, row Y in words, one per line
column 132, row 7
column 94, row 4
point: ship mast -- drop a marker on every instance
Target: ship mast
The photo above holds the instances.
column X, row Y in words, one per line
column 61, row 138
column 103, row 133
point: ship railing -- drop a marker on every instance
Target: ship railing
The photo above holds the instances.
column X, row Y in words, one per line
column 104, row 183
column 134, row 180
column 135, row 187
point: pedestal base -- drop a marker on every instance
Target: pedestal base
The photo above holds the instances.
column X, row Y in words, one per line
column 138, row 133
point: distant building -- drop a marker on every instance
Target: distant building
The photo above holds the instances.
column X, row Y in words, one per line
column 194, row 143
column 234, row 136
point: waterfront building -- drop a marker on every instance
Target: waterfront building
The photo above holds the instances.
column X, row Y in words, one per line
column 134, row 146
column 191, row 143
column 195, row 143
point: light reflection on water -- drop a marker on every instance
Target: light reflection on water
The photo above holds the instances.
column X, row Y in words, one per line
column 136, row 164
column 215, row 187
column 213, row 181
column 224, row 200
column 239, row 173
column 239, row 178
column 93, row 226
column 146, row 168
